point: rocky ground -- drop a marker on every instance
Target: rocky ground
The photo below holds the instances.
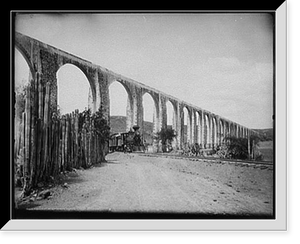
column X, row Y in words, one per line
column 129, row 183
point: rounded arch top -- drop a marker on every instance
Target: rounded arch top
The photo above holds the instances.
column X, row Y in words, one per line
column 124, row 84
column 73, row 82
column 26, row 56
column 155, row 98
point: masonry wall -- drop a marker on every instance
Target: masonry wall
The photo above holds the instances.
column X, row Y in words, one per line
column 44, row 61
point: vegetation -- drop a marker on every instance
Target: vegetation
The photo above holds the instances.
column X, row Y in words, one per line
column 166, row 135
column 237, row 148
column 191, row 149
column 48, row 143
column 99, row 124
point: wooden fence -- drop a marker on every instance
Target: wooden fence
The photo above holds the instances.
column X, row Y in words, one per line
column 47, row 144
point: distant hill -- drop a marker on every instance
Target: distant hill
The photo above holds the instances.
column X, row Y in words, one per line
column 118, row 125
column 265, row 134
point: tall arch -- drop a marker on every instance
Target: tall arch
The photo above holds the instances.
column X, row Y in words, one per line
column 214, row 130
column 200, row 128
column 19, row 48
column 197, row 128
column 150, row 117
column 22, row 71
column 222, row 131
column 207, row 131
column 120, row 104
column 22, row 75
column 73, row 89
column 187, row 125
column 171, row 114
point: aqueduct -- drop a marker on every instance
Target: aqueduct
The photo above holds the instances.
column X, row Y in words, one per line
column 203, row 127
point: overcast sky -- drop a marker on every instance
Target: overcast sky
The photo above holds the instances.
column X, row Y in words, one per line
column 220, row 62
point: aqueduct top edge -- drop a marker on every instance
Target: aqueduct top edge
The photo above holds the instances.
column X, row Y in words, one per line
column 24, row 38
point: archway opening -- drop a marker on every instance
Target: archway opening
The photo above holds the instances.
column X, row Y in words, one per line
column 73, row 90
column 186, row 126
column 197, row 128
column 214, row 132
column 120, row 108
column 149, row 111
column 22, row 71
column 222, row 133
column 207, row 131
column 171, row 122
column 22, row 76
column 170, row 115
column 21, row 81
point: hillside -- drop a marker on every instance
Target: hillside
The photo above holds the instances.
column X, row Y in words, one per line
column 266, row 134
column 118, row 124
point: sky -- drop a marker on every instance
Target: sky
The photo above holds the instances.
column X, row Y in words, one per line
column 222, row 63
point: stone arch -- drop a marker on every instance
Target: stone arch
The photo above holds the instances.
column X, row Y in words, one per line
column 155, row 99
column 173, row 106
column 207, row 130
column 200, row 128
column 188, row 123
column 79, row 91
column 231, row 129
column 155, row 119
column 222, row 131
column 26, row 56
column 87, row 73
column 214, row 131
column 129, row 102
column 197, row 128
column 227, row 128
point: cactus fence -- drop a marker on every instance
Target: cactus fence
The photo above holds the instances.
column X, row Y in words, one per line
column 47, row 144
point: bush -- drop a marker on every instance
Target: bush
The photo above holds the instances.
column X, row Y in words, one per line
column 233, row 148
column 165, row 135
column 237, row 148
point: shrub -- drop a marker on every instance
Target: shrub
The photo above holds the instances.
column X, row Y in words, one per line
column 166, row 135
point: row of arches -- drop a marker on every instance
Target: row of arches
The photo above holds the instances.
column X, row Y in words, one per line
column 209, row 130
column 140, row 105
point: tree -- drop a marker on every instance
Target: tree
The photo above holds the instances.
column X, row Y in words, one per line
column 166, row 135
column 237, row 148
column 102, row 130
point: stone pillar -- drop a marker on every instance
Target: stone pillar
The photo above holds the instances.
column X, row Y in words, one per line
column 180, row 123
column 97, row 102
column 129, row 114
column 138, row 111
column 162, row 117
column 162, row 113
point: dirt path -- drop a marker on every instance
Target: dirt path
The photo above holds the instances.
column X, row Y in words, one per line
column 135, row 183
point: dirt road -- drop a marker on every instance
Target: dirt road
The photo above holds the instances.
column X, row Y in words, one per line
column 135, row 183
